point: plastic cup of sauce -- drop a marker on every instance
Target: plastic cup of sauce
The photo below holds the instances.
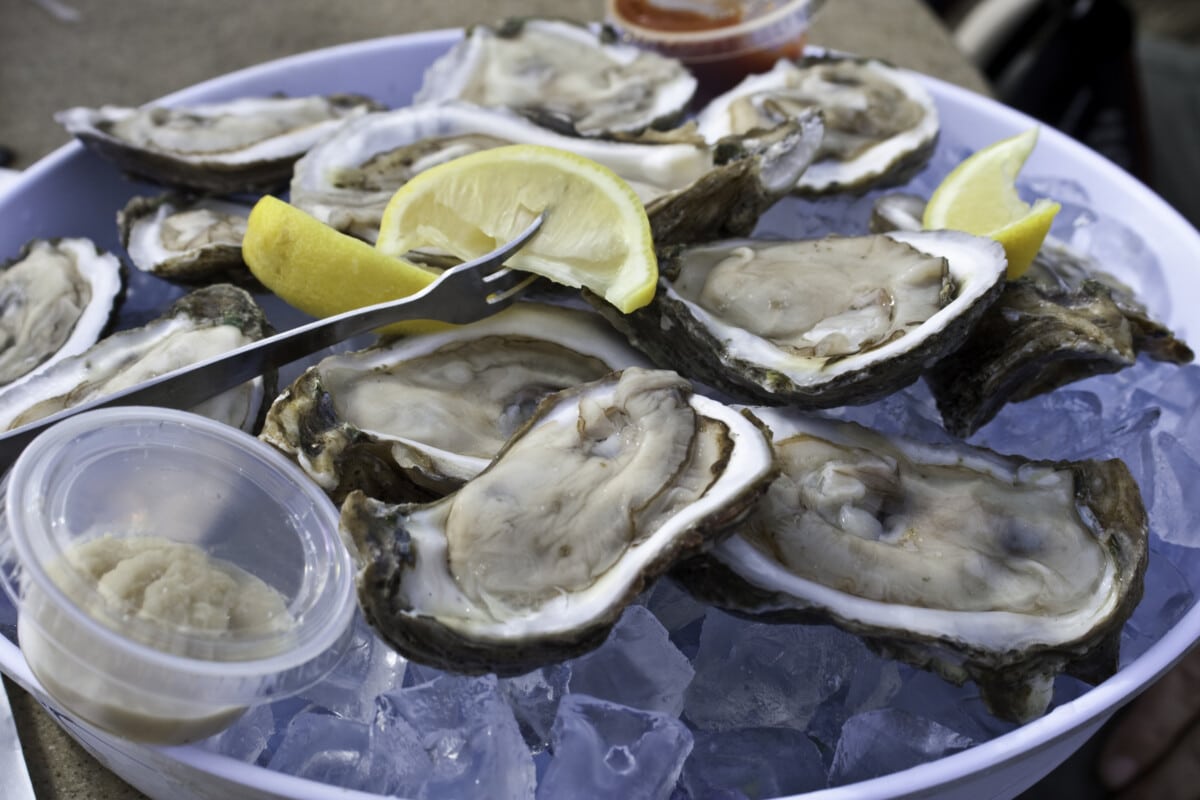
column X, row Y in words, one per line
column 169, row 572
column 720, row 41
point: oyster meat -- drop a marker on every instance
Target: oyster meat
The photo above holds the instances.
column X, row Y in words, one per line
column 569, row 77
column 692, row 192
column 244, row 145
column 955, row 559
column 1065, row 319
column 185, row 238
column 56, row 299
column 606, row 486
column 205, row 323
column 881, row 124
column 816, row 323
column 416, row 417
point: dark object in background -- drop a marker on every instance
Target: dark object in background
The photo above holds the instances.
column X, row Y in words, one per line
column 6, row 156
column 1071, row 64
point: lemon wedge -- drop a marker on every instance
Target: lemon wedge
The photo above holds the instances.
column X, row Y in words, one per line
column 321, row 271
column 596, row 233
column 980, row 196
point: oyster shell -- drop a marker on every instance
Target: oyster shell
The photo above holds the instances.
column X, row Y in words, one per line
column 816, row 323
column 199, row 325
column 519, row 568
column 562, row 75
column 692, row 192
column 955, row 559
column 184, row 238
column 56, row 299
column 416, row 417
column 243, row 145
column 1064, row 320
column 881, row 124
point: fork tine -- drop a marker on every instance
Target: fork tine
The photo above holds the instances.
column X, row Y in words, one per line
column 510, row 292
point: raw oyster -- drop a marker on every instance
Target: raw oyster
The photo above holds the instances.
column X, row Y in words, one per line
column 563, row 76
column 692, row 192
column 414, row 418
column 532, row 561
column 1064, row 320
column 816, row 323
column 199, row 325
column 955, row 559
column 184, row 238
column 243, row 145
column 56, row 299
column 881, row 124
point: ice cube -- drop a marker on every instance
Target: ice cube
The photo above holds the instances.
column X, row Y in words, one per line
column 958, row 708
column 758, row 675
column 603, row 750
column 1167, row 596
column 470, row 734
column 680, row 613
column 534, row 699
column 637, row 666
column 752, row 763
column 887, row 740
column 1174, row 518
column 872, row 683
column 369, row 668
column 323, row 747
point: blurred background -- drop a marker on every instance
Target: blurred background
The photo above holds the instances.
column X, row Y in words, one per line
column 1122, row 76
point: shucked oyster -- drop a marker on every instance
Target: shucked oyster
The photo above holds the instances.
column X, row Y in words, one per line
column 606, row 486
column 242, row 145
column 185, row 238
column 563, row 76
column 816, row 323
column 1065, row 319
column 692, row 192
column 959, row 560
column 416, row 417
column 197, row 326
column 881, row 124
column 56, row 298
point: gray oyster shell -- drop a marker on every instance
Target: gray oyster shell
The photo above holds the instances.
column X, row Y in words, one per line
column 243, row 145
column 692, row 191
column 185, row 238
column 1031, row 570
column 881, row 124
column 850, row 341
column 198, row 325
column 57, row 297
column 416, row 417
column 605, row 487
column 564, row 76
column 1065, row 319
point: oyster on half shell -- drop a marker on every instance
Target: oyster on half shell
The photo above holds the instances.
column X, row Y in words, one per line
column 1065, row 319
column 692, row 191
column 562, row 75
column 243, row 145
column 955, row 559
column 205, row 323
column 881, row 124
column 415, row 417
column 56, row 299
column 605, row 487
column 815, row 323
column 185, row 238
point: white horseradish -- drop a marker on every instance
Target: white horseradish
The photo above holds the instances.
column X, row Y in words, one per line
column 169, row 596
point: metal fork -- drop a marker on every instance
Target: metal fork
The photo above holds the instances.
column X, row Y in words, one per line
column 465, row 293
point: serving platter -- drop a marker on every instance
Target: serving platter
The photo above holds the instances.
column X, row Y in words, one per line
column 72, row 193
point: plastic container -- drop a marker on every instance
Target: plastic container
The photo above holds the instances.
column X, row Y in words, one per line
column 223, row 580
column 720, row 41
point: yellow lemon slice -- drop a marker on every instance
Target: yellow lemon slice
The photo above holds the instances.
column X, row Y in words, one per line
column 321, row 271
column 979, row 196
column 596, row 233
